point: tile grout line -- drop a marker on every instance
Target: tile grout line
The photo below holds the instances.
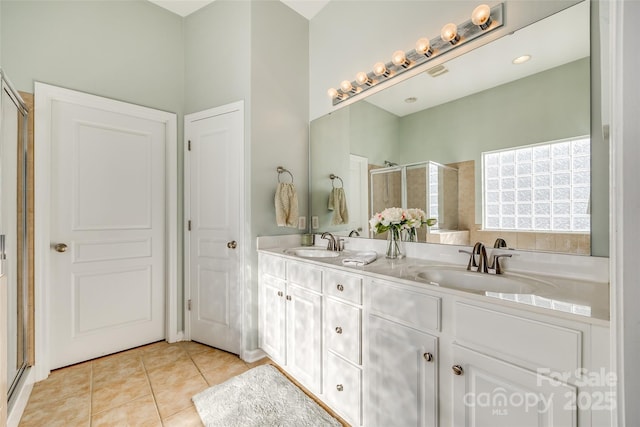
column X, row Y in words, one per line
column 153, row 393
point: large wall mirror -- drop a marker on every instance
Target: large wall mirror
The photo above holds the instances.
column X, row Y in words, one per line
column 491, row 146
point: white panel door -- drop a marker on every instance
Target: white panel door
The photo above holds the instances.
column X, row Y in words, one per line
column 214, row 185
column 107, row 231
column 358, row 194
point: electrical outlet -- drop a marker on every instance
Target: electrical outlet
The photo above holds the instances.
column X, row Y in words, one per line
column 315, row 224
column 302, row 223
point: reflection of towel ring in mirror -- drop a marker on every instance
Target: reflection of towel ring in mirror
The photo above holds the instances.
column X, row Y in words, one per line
column 282, row 170
column 333, row 181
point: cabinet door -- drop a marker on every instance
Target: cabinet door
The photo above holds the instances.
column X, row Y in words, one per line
column 488, row 392
column 272, row 318
column 304, row 337
column 401, row 376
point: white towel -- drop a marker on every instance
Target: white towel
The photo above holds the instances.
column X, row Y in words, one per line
column 286, row 205
column 360, row 258
column 338, row 204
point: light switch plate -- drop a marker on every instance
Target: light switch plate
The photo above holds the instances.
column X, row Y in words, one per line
column 315, row 224
column 302, row 223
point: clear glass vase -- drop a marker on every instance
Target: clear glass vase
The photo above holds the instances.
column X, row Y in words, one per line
column 394, row 243
column 412, row 235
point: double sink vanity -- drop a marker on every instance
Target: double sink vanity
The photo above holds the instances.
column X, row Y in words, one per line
column 423, row 341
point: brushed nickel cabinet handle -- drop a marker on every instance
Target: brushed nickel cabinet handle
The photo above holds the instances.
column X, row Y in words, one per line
column 428, row 357
column 457, row 370
column 338, row 330
column 340, row 287
column 339, row 387
column 280, row 293
column 232, row 244
column 288, row 297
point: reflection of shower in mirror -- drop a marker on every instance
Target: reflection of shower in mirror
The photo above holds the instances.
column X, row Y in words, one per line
column 387, row 164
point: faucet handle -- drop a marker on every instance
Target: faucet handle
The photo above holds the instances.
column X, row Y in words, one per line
column 340, row 245
column 496, row 262
column 472, row 258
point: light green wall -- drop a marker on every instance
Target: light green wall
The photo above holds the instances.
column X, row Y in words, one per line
column 362, row 129
column 126, row 50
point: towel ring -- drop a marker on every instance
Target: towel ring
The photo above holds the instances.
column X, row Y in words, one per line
column 333, row 181
column 282, row 170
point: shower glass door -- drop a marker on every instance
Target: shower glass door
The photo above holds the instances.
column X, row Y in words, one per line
column 13, row 230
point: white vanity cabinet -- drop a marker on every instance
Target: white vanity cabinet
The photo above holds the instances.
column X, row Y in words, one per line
column 291, row 318
column 392, row 352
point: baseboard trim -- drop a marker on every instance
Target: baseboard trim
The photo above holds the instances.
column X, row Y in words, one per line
column 18, row 407
column 251, row 356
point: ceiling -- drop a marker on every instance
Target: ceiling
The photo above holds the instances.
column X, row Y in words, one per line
column 551, row 42
column 306, row 8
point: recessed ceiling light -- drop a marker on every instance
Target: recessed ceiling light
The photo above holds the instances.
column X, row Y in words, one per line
column 438, row 70
column 411, row 100
column 521, row 59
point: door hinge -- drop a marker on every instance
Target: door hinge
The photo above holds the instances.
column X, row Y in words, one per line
column 189, row 145
column 189, row 305
column 189, row 225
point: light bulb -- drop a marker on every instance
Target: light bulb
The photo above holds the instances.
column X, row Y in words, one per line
column 346, row 86
column 449, row 33
column 423, row 47
column 362, row 78
column 481, row 16
column 332, row 92
column 399, row 59
column 379, row 69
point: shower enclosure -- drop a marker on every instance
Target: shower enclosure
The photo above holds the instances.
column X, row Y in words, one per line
column 429, row 186
column 13, row 248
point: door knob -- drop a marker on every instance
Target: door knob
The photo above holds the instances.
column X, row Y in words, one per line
column 60, row 247
column 232, row 244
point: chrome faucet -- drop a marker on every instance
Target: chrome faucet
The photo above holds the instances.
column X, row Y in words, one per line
column 478, row 260
column 333, row 244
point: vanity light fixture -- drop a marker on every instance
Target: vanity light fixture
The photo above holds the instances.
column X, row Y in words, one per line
column 484, row 19
column 399, row 59
column 521, row 59
column 450, row 34
column 481, row 16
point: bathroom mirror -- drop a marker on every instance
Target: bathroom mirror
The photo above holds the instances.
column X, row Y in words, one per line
column 479, row 102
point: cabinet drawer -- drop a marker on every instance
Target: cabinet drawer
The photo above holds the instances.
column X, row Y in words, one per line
column 343, row 389
column 536, row 344
column 343, row 330
column 344, row 286
column 306, row 276
column 404, row 306
column 274, row 266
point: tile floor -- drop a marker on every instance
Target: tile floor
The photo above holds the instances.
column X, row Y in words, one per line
column 146, row 386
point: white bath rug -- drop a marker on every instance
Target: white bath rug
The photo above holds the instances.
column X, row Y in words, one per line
column 260, row 397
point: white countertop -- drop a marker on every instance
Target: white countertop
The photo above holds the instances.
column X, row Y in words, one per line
column 578, row 296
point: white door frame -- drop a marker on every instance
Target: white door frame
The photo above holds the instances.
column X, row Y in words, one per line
column 46, row 95
column 243, row 236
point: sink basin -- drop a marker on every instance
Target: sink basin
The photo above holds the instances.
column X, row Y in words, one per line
column 312, row 252
column 463, row 279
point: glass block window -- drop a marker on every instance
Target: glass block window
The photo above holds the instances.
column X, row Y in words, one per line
column 543, row 187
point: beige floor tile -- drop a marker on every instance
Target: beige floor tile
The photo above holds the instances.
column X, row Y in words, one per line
column 211, row 360
column 224, row 372
column 141, row 412
column 63, row 383
column 109, row 372
column 263, row 361
column 186, row 418
column 70, row 411
column 193, row 347
column 178, row 396
column 169, row 374
column 150, row 348
column 120, row 392
column 162, row 356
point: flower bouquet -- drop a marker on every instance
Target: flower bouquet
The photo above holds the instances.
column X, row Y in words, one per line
column 394, row 220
